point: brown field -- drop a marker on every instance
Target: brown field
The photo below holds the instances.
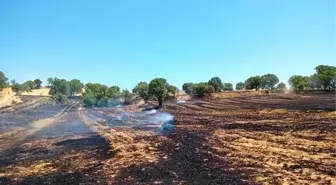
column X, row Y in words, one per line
column 266, row 139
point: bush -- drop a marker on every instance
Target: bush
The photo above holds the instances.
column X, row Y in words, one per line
column 61, row 98
column 89, row 99
column 201, row 88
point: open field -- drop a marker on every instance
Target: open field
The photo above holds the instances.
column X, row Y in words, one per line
column 269, row 139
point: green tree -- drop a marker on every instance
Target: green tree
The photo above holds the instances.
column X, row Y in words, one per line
column 202, row 88
column 227, row 87
column 3, row 80
column 158, row 88
column 326, row 76
column 29, row 85
column 313, row 82
column 112, row 92
column 253, row 82
column 59, row 97
column 173, row 90
column 187, row 87
column 89, row 99
column 76, row 86
column 298, row 82
column 126, row 94
column 216, row 82
column 142, row 90
column 60, row 86
column 38, row 83
column 281, row 87
column 269, row 81
column 16, row 87
column 240, row 86
column 97, row 89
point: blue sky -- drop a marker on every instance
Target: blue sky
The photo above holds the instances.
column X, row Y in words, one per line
column 124, row 42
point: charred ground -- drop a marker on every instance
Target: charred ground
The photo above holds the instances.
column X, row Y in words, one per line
column 269, row 139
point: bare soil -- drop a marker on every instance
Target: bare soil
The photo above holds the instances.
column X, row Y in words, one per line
column 268, row 139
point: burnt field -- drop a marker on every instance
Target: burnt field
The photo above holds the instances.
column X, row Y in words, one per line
column 269, row 139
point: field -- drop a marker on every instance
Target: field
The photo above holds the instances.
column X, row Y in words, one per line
column 265, row 139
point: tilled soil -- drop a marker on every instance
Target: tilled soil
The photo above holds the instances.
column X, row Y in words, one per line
column 214, row 142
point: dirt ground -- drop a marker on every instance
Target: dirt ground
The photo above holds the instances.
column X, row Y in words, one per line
column 269, row 139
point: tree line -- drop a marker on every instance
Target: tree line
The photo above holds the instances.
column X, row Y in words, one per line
column 159, row 89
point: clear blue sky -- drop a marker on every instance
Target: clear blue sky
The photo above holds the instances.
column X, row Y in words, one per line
column 124, row 42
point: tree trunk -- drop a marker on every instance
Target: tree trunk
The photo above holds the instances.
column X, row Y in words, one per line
column 160, row 102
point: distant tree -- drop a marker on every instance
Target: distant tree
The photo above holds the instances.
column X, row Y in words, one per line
column 3, row 80
column 126, row 94
column 298, row 82
column 60, row 86
column 16, row 87
column 269, row 81
column 158, row 88
column 38, row 83
column 227, row 87
column 216, row 82
column 240, row 86
column 281, row 86
column 173, row 90
column 313, row 82
column 76, row 86
column 254, row 82
column 187, row 87
column 326, row 76
column 97, row 89
column 142, row 90
column 29, row 85
column 202, row 88
column 112, row 92
column 50, row 80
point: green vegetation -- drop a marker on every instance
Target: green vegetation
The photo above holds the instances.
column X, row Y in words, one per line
column 75, row 86
column 240, row 86
column 98, row 95
column 269, row 81
column 216, row 82
column 298, row 82
column 281, row 87
column 3, row 80
column 158, row 87
column 202, row 88
column 187, row 87
column 253, row 82
column 38, row 83
column 142, row 90
column 227, row 87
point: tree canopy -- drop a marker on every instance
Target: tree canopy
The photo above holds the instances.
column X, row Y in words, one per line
column 142, row 90
column 187, row 87
column 227, row 87
column 200, row 89
column 281, row 86
column 158, row 87
column 268, row 81
column 216, row 82
column 298, row 82
column 38, row 83
column 254, row 82
column 326, row 76
column 240, row 86
column 29, row 85
column 76, row 86
column 59, row 86
column 3, row 80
